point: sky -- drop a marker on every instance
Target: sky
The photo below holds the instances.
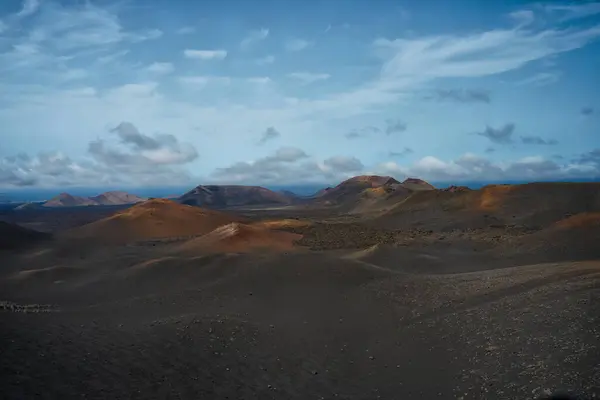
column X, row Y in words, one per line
column 174, row 92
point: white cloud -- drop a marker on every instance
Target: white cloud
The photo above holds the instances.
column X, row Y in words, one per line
column 3, row 26
column 203, row 80
column 161, row 68
column 205, row 54
column 522, row 17
column 29, row 8
column 541, row 79
column 308, row 77
column 185, row 30
column 259, row 79
column 265, row 60
column 573, row 11
column 253, row 38
column 471, row 167
column 297, row 44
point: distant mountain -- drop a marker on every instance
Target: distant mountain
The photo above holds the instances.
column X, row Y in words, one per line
column 351, row 188
column 218, row 196
column 105, row 199
column 367, row 193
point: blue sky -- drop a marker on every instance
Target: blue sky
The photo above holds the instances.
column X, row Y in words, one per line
column 149, row 93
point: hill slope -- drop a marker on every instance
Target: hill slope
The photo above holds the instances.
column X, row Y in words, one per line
column 153, row 219
column 367, row 193
column 15, row 237
column 218, row 196
column 533, row 205
column 241, row 238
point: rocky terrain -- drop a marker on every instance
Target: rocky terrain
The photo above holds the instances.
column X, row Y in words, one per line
column 387, row 290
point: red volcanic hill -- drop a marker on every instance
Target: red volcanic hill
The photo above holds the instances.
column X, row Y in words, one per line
column 105, row 199
column 534, row 205
column 15, row 237
column 368, row 193
column 153, row 219
column 218, row 196
column 242, row 238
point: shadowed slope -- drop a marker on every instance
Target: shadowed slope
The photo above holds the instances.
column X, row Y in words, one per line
column 16, row 237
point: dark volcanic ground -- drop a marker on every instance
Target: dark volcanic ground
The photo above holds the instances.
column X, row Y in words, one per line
column 406, row 317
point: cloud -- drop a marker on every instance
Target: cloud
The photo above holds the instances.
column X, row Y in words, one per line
column 3, row 26
column 538, row 140
column 144, row 150
column 203, row 80
column 394, row 126
column 522, row 17
column 362, row 132
column 591, row 158
column 501, row 135
column 262, row 80
column 475, row 55
column 269, row 134
column 541, row 79
column 205, row 54
column 573, row 11
column 253, row 38
column 391, row 126
column 269, row 59
column 136, row 159
column 29, row 7
column 185, row 30
column 463, row 95
column 288, row 165
column 296, row 44
column 161, row 68
column 402, row 153
column 308, row 77
column 471, row 167
column 587, row 111
column 343, row 164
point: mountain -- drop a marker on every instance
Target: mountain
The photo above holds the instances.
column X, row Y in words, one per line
column 218, row 196
column 350, row 188
column 153, row 219
column 532, row 205
column 369, row 193
column 67, row 200
column 105, row 199
column 417, row 184
column 14, row 236
column 116, row 198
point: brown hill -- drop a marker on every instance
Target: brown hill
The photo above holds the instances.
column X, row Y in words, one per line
column 370, row 193
column 242, row 238
column 67, row 200
column 15, row 237
column 350, row 188
column 153, row 219
column 417, row 184
column 218, row 196
column 533, row 205
column 572, row 238
column 113, row 198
